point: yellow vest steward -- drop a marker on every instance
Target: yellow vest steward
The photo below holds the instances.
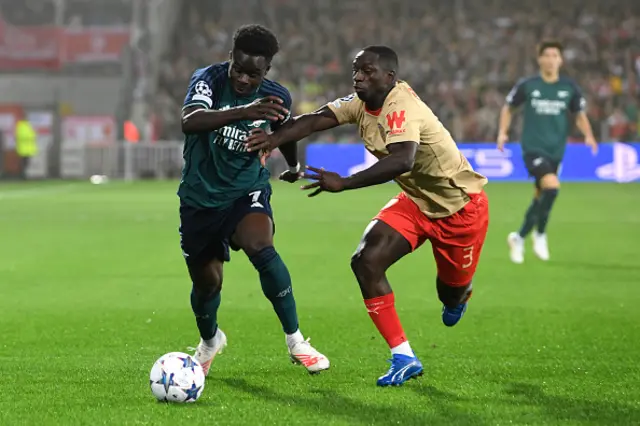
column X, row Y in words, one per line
column 26, row 143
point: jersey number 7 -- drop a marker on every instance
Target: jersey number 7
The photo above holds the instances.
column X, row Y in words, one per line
column 255, row 196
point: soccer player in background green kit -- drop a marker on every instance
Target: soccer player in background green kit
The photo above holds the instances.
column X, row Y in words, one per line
column 225, row 195
column 548, row 101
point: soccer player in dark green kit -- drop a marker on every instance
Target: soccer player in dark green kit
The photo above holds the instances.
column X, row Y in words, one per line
column 225, row 192
column 548, row 101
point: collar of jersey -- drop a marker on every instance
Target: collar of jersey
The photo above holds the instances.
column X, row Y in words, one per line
column 377, row 112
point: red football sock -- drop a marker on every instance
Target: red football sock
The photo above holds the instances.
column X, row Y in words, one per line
column 383, row 313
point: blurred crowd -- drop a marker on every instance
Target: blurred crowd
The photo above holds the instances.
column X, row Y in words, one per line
column 97, row 12
column 74, row 12
column 462, row 57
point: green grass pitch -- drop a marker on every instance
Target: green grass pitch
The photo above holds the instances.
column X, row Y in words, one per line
column 93, row 289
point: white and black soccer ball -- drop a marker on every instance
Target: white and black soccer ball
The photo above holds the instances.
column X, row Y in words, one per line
column 177, row 377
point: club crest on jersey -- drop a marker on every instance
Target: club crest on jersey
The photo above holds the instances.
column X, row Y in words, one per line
column 257, row 123
column 395, row 121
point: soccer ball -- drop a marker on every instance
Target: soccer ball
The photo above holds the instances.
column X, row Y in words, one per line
column 177, row 377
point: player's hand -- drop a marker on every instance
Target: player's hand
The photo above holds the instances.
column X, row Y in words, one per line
column 258, row 140
column 324, row 181
column 502, row 139
column 591, row 143
column 261, row 134
column 269, row 108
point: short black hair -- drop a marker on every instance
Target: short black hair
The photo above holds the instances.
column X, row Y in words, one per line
column 387, row 57
column 256, row 40
column 549, row 44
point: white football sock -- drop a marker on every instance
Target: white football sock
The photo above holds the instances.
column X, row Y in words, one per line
column 403, row 349
column 294, row 338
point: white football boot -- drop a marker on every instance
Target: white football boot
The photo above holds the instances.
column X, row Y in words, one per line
column 516, row 247
column 540, row 246
column 205, row 353
column 305, row 354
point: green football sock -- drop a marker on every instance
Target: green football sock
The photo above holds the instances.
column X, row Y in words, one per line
column 530, row 218
column 205, row 308
column 547, row 198
column 276, row 286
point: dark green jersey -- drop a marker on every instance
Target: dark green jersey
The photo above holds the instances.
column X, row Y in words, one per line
column 217, row 167
column 546, row 114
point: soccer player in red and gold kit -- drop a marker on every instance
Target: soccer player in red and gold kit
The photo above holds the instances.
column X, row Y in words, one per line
column 442, row 198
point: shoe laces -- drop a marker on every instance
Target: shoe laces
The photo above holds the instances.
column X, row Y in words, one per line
column 307, row 343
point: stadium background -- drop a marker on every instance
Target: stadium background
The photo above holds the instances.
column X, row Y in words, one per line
column 93, row 287
column 83, row 69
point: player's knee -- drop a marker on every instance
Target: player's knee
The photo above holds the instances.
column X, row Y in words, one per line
column 252, row 248
column 262, row 258
column 206, row 278
column 366, row 266
column 549, row 181
column 452, row 295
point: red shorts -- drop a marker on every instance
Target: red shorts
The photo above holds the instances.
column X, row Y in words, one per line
column 456, row 240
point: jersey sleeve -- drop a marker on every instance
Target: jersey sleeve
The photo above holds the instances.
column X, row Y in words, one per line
column 287, row 102
column 402, row 122
column 577, row 103
column 199, row 92
column 346, row 109
column 517, row 96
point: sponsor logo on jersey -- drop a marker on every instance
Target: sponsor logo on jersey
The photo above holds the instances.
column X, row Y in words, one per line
column 395, row 121
column 548, row 106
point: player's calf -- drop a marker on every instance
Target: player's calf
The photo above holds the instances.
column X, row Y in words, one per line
column 205, row 301
column 454, row 299
column 276, row 286
column 549, row 189
column 254, row 235
column 206, row 278
column 381, row 247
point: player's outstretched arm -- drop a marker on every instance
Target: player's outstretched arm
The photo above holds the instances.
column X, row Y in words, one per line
column 400, row 160
column 294, row 130
column 197, row 119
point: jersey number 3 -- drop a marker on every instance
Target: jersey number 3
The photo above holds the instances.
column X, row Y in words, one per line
column 255, row 196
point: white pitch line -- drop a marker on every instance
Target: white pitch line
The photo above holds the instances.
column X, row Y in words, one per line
column 37, row 191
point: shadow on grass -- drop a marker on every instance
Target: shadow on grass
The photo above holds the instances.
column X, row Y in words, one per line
column 329, row 403
column 560, row 408
column 440, row 407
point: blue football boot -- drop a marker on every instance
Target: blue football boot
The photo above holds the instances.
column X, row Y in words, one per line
column 402, row 368
column 451, row 316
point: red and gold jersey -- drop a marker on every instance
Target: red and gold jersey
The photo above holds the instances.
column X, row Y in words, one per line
column 442, row 178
